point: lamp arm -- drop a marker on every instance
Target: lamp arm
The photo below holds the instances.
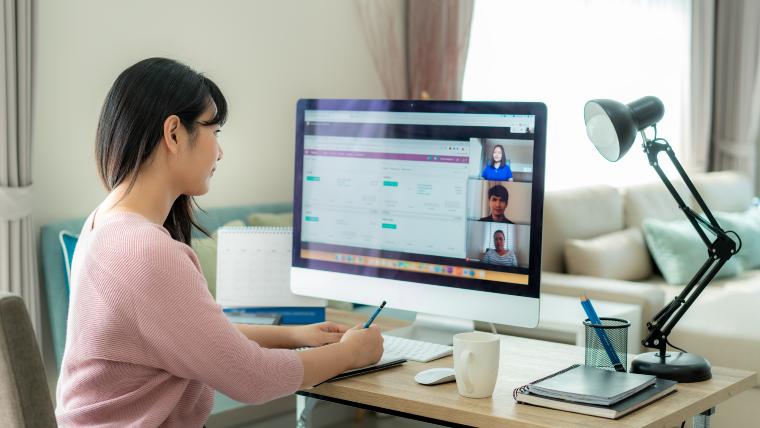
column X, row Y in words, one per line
column 717, row 264
column 667, row 311
column 719, row 250
column 662, row 324
column 653, row 148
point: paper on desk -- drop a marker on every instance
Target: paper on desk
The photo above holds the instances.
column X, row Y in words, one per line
column 253, row 268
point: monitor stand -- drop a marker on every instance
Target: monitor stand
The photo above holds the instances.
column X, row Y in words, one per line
column 434, row 328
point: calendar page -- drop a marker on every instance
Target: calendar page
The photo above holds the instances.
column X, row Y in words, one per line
column 253, row 268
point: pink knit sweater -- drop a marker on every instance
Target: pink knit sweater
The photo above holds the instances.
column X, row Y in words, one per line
column 146, row 344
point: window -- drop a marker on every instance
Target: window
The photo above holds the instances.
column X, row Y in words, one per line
column 566, row 52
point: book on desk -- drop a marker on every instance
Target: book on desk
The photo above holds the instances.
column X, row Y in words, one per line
column 594, row 391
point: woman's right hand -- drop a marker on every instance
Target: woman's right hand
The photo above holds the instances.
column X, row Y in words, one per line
column 366, row 345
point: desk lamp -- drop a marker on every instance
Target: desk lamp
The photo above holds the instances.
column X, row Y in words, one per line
column 612, row 127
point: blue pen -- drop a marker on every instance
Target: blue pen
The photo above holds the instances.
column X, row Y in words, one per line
column 374, row 315
column 594, row 318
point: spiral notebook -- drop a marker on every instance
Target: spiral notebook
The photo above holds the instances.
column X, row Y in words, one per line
column 594, row 391
column 253, row 271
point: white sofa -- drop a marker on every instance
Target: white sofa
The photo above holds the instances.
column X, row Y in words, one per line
column 723, row 325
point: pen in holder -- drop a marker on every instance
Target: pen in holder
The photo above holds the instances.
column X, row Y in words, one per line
column 616, row 331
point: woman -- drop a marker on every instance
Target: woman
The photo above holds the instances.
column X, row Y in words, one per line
column 496, row 169
column 500, row 255
column 146, row 343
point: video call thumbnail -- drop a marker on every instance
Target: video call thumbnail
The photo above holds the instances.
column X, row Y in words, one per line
column 499, row 203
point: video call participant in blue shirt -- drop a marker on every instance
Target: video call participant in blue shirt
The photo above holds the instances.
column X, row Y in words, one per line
column 496, row 169
column 498, row 198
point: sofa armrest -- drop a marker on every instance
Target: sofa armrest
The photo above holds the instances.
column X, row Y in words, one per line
column 650, row 297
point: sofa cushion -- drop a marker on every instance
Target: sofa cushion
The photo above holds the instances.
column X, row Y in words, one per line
column 724, row 191
column 747, row 225
column 745, row 281
column 679, row 252
column 729, row 341
column 653, row 200
column 616, row 255
column 577, row 214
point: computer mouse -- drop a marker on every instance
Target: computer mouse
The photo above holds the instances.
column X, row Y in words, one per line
column 435, row 376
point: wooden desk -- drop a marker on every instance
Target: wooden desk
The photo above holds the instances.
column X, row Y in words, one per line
column 394, row 391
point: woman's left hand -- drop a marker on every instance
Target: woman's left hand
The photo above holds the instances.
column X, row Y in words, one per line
column 318, row 334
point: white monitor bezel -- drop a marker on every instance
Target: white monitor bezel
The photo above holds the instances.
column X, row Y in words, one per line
column 520, row 310
column 473, row 305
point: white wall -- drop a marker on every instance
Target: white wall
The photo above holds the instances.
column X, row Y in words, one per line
column 263, row 54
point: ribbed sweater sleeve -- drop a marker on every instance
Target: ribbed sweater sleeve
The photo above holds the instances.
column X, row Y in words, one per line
column 146, row 344
column 159, row 291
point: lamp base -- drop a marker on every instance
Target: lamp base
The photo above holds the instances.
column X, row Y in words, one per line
column 678, row 366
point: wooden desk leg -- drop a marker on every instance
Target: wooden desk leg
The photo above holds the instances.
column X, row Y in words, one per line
column 304, row 407
column 702, row 420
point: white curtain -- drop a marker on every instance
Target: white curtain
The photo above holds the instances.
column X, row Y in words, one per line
column 18, row 265
column 736, row 108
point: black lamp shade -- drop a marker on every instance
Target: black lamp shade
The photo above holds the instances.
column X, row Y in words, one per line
column 612, row 126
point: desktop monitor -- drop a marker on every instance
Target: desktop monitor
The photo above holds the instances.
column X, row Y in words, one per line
column 433, row 206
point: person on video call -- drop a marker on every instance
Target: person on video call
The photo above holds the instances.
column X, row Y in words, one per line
column 497, row 169
column 498, row 198
column 500, row 255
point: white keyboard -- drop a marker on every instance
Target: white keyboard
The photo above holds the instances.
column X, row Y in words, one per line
column 414, row 350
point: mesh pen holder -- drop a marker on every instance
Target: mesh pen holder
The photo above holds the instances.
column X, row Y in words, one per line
column 616, row 330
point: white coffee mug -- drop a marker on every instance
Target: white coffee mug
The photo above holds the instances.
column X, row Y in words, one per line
column 476, row 363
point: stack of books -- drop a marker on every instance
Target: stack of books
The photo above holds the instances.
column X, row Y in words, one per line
column 594, row 391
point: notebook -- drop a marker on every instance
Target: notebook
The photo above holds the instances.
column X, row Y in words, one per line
column 590, row 385
column 594, row 391
column 253, row 269
column 386, row 362
column 661, row 388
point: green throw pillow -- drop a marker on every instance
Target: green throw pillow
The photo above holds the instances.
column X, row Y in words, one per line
column 205, row 249
column 679, row 252
column 271, row 219
column 747, row 225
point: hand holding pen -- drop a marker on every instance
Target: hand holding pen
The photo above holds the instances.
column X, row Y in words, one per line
column 365, row 341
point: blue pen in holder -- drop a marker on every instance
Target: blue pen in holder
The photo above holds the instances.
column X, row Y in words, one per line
column 616, row 331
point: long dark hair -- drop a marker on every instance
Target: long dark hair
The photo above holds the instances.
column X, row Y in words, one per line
column 501, row 162
column 131, row 125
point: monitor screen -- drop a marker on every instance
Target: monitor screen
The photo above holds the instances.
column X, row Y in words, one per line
column 443, row 193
